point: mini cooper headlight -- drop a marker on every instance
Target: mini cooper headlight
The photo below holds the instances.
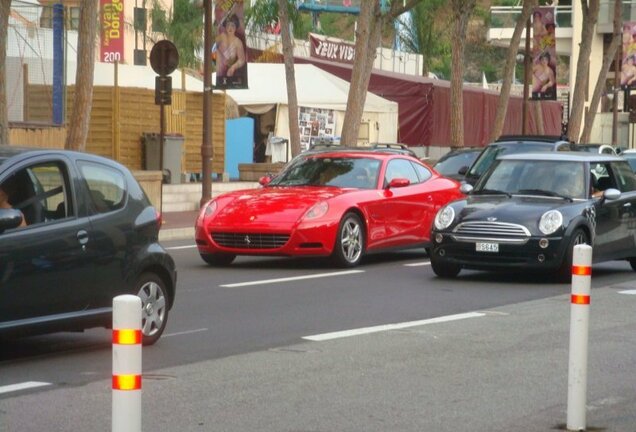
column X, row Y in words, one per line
column 444, row 218
column 550, row 221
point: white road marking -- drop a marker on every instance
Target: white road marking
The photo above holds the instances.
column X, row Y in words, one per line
column 181, row 247
column 387, row 327
column 22, row 386
column 290, row 279
column 418, row 264
column 185, row 332
column 630, row 292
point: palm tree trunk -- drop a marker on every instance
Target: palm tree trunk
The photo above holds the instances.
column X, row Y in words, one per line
column 600, row 83
column 86, row 40
column 462, row 11
column 511, row 59
column 590, row 17
column 290, row 76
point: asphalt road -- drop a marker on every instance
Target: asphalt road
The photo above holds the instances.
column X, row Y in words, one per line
column 253, row 342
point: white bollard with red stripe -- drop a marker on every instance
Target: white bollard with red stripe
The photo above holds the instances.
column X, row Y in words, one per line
column 126, row 364
column 579, row 334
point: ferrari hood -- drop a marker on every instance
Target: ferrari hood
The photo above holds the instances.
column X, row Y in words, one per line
column 270, row 205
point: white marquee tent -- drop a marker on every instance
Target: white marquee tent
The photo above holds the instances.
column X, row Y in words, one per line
column 315, row 89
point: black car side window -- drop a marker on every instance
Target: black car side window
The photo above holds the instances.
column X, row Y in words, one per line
column 625, row 178
column 105, row 185
column 41, row 192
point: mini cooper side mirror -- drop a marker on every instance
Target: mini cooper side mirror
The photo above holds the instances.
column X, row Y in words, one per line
column 611, row 194
column 466, row 188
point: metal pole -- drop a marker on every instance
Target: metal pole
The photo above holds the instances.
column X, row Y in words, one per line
column 615, row 99
column 206, row 146
column 579, row 331
column 526, row 79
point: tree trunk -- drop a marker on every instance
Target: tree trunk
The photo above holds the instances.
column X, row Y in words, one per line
column 610, row 54
column 357, row 91
column 290, row 76
column 5, row 9
column 511, row 59
column 590, row 17
column 368, row 36
column 462, row 11
column 86, row 40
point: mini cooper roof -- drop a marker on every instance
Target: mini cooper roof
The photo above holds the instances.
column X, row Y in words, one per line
column 563, row 156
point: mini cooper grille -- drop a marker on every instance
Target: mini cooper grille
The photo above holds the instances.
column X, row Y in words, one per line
column 495, row 231
column 250, row 240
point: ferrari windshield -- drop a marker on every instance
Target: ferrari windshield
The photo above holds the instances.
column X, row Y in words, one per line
column 344, row 172
column 534, row 177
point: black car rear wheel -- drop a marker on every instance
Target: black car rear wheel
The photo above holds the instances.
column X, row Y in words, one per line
column 218, row 259
column 442, row 268
column 154, row 306
column 350, row 242
column 564, row 274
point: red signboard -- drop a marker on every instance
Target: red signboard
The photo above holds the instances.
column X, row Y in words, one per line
column 111, row 13
column 331, row 49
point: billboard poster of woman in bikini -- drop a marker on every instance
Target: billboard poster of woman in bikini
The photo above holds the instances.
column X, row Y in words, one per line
column 543, row 53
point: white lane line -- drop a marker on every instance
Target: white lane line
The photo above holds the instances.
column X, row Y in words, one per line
column 181, row 247
column 22, row 386
column 418, row 264
column 290, row 279
column 386, row 327
column 630, row 292
column 185, row 332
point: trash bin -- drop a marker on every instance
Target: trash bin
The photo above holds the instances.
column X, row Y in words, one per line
column 172, row 155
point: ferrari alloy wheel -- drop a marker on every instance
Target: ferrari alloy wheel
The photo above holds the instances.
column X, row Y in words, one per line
column 218, row 259
column 564, row 274
column 442, row 268
column 350, row 241
column 154, row 307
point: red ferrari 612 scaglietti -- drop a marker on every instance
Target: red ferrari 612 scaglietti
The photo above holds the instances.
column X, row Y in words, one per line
column 341, row 204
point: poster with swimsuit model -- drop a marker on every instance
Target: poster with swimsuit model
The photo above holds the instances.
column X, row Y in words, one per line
column 628, row 66
column 544, row 58
column 230, row 49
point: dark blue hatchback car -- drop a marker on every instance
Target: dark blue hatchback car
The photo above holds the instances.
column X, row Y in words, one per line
column 79, row 231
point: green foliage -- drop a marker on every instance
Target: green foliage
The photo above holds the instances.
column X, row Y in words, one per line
column 183, row 25
column 263, row 13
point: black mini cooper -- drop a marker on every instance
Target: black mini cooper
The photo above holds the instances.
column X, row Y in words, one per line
column 77, row 230
column 528, row 211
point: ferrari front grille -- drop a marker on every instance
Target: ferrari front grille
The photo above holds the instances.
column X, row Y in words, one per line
column 250, row 240
column 501, row 232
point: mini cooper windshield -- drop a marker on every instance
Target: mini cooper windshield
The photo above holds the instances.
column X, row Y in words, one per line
column 343, row 172
column 545, row 178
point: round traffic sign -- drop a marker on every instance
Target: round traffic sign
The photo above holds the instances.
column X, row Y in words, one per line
column 164, row 57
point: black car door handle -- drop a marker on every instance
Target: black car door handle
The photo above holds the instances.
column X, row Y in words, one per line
column 82, row 237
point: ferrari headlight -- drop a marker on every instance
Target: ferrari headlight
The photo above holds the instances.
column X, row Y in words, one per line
column 550, row 221
column 317, row 210
column 444, row 218
column 208, row 209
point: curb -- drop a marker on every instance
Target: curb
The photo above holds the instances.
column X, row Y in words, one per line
column 186, row 233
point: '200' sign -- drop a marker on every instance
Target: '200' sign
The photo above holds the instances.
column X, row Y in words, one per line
column 112, row 30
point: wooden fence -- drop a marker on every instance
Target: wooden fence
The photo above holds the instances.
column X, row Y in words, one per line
column 119, row 118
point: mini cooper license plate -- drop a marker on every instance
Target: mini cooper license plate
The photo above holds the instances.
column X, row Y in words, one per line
column 487, row 247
